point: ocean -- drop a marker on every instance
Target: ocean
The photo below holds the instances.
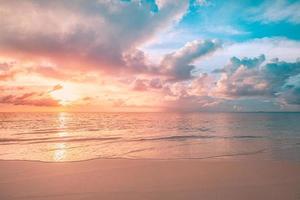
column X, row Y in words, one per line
column 58, row 137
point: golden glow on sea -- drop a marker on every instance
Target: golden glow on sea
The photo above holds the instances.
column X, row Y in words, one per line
column 60, row 149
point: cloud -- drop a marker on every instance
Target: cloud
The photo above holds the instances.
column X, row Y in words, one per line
column 102, row 42
column 32, row 99
column 276, row 11
column 290, row 94
column 5, row 75
column 202, row 85
column 140, row 85
column 276, row 47
column 83, row 34
column 8, row 70
column 179, row 65
column 12, row 88
column 156, row 83
column 191, row 103
column 250, row 77
column 224, row 30
column 50, row 71
column 4, row 65
column 56, row 87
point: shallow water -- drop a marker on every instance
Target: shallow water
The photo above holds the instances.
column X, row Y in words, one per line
column 82, row 136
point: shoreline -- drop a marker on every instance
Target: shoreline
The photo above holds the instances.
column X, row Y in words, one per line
column 150, row 179
column 233, row 156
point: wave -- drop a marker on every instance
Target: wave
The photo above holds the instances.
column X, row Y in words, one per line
column 87, row 139
column 175, row 137
column 203, row 129
column 55, row 139
column 246, row 137
column 186, row 137
column 57, row 130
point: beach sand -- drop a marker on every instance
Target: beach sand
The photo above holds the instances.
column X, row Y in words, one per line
column 150, row 179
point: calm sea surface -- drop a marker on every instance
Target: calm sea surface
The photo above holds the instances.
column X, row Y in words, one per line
column 82, row 136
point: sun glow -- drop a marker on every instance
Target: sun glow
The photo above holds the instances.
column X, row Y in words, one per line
column 66, row 96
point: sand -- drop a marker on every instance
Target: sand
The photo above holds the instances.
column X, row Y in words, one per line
column 150, row 179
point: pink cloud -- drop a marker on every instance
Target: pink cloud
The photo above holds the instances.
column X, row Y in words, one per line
column 56, row 87
column 76, row 42
column 32, row 98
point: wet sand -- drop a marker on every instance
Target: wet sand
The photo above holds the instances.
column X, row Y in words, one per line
column 150, row 179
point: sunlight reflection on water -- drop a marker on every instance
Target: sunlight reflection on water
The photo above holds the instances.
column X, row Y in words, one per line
column 61, row 148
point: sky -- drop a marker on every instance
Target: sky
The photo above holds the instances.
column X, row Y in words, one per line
column 150, row 55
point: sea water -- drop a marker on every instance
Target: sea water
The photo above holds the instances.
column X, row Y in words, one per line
column 56, row 137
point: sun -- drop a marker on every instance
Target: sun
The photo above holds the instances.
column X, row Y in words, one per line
column 66, row 96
